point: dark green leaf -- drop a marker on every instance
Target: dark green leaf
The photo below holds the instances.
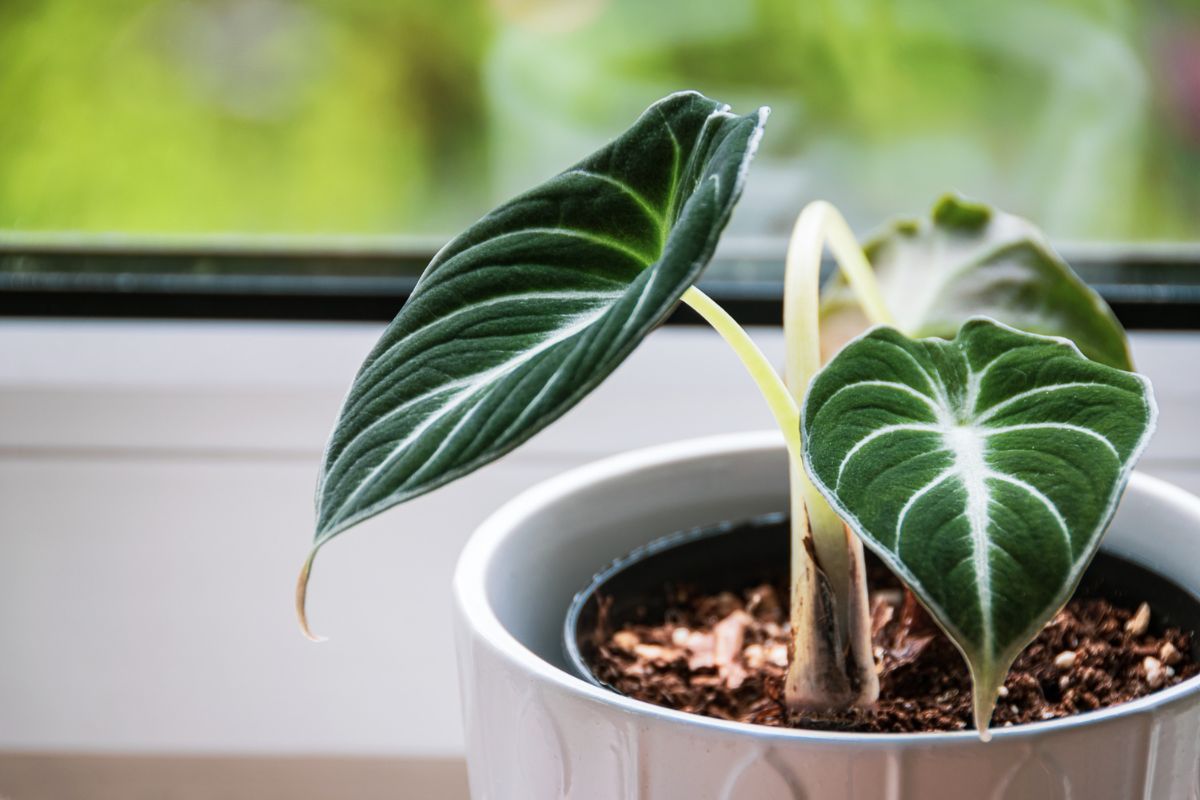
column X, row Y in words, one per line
column 968, row 260
column 522, row 315
column 983, row 470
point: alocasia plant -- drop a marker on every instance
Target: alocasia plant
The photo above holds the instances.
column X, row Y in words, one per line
column 983, row 469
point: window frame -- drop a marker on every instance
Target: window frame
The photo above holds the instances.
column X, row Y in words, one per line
column 367, row 279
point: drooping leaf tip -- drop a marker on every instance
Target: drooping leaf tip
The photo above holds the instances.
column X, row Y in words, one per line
column 984, row 704
column 302, row 597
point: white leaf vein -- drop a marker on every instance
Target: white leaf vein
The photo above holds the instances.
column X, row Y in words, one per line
column 935, row 407
column 382, row 364
column 992, row 411
column 652, row 212
column 1059, row 426
column 942, row 477
column 1038, row 495
column 924, row 427
column 471, row 389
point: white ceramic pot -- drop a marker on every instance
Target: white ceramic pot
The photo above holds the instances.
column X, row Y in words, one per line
column 536, row 732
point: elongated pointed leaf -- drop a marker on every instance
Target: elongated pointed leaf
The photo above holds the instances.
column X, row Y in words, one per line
column 523, row 314
column 983, row 470
column 967, row 260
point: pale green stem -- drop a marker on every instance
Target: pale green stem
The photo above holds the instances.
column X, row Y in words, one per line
column 820, row 224
column 780, row 401
column 825, row 672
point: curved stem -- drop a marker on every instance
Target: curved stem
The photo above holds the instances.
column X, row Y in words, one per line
column 820, row 224
column 781, row 402
column 302, row 598
column 832, row 661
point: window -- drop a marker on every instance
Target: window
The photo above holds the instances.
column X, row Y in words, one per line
column 134, row 124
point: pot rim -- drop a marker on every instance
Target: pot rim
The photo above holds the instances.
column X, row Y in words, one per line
column 470, row 596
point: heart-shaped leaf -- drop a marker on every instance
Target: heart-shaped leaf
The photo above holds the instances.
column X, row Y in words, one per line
column 970, row 260
column 522, row 315
column 983, row 470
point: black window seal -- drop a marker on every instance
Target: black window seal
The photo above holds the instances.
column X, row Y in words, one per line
column 367, row 279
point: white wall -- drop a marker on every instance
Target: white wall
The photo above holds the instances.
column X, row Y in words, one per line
column 156, row 501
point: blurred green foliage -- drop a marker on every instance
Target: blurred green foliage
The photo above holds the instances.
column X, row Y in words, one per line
column 409, row 116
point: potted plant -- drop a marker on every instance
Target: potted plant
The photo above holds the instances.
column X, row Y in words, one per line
column 981, row 464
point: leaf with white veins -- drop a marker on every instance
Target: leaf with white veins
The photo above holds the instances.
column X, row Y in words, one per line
column 982, row 470
column 523, row 314
column 969, row 259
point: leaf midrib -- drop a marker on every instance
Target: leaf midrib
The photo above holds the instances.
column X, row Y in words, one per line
column 660, row 220
column 474, row 386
